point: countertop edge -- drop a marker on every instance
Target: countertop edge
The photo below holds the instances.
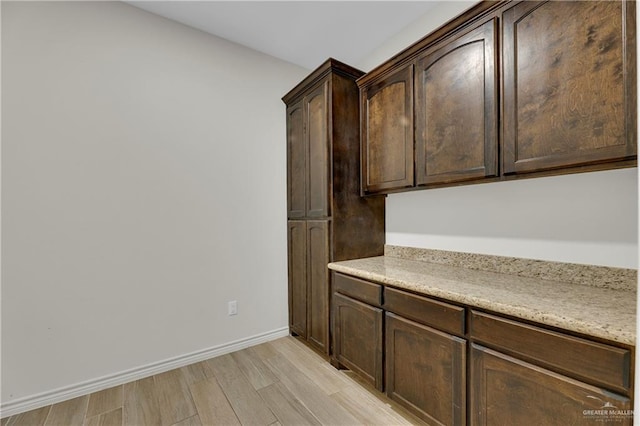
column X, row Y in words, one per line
column 544, row 318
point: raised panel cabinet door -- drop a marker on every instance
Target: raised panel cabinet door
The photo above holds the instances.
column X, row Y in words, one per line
column 318, row 279
column 456, row 109
column 569, row 84
column 507, row 391
column 358, row 338
column 317, row 134
column 297, row 257
column 296, row 162
column 426, row 371
column 387, row 132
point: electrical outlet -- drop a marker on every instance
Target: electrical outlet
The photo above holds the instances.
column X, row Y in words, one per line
column 233, row 307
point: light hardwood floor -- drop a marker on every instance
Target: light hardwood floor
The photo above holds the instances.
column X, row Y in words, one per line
column 282, row 382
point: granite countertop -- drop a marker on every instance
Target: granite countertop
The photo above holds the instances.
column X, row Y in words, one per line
column 606, row 313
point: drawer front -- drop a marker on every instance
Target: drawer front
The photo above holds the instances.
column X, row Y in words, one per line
column 598, row 363
column 440, row 315
column 358, row 289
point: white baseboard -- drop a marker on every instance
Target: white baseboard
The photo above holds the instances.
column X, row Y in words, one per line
column 68, row 392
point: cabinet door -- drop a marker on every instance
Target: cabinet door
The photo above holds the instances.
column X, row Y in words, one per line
column 507, row 391
column 316, row 114
column 456, row 109
column 569, row 84
column 318, row 279
column 297, row 256
column 296, row 162
column 358, row 337
column 387, row 132
column 426, row 371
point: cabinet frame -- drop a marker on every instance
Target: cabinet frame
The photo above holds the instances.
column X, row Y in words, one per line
column 402, row 75
column 484, row 32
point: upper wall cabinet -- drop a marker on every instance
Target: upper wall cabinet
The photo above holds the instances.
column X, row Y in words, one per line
column 569, row 84
column 508, row 89
column 308, row 153
column 387, row 132
column 456, row 108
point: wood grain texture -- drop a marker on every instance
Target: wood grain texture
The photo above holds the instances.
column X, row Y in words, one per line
column 565, row 85
column 194, row 373
column 212, row 404
column 316, row 401
column 296, row 163
column 367, row 409
column 104, row 401
column 110, row 418
column 286, row 407
column 297, row 263
column 190, row 421
column 254, row 369
column 306, row 390
column 593, row 362
column 456, row 108
column 312, row 365
column 357, row 338
column 174, row 397
column 317, row 137
column 68, row 412
column 387, row 132
column 35, row 417
column 502, row 386
column 318, row 284
column 141, row 404
column 246, row 403
column 426, row 371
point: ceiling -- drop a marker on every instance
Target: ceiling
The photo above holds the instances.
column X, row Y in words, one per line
column 305, row 33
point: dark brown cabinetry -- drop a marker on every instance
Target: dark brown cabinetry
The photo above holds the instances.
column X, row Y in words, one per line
column 357, row 322
column 426, row 370
column 387, row 129
column 506, row 390
column 328, row 220
column 358, row 338
column 456, row 108
column 518, row 373
column 569, row 84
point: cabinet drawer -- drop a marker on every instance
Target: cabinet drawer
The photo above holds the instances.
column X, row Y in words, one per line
column 440, row 315
column 596, row 362
column 358, row 289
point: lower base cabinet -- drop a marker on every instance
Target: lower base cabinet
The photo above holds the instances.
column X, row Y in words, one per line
column 508, row 391
column 426, row 370
column 452, row 365
column 358, row 338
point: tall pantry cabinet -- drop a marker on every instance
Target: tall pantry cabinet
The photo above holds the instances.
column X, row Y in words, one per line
column 327, row 219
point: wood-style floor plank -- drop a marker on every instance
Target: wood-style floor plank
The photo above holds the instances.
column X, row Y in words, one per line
column 104, row 401
column 174, row 397
column 312, row 365
column 35, row 417
column 71, row 412
column 244, row 399
column 312, row 396
column 110, row 418
column 196, row 372
column 287, row 408
column 212, row 404
column 141, row 403
column 258, row 374
column 190, row 421
column 282, row 382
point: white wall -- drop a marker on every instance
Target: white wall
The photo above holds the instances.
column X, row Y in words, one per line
column 143, row 187
column 584, row 218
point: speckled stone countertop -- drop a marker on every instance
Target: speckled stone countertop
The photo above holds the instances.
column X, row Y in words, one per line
column 608, row 313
